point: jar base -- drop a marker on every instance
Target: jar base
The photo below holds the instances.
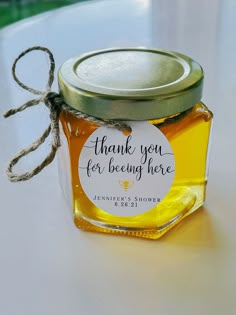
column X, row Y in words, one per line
column 192, row 200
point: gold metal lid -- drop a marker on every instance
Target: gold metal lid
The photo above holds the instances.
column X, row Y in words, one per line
column 131, row 83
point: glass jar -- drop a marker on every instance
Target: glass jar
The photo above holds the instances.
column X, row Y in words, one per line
column 139, row 183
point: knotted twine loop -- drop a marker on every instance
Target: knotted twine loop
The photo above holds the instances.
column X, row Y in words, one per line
column 56, row 105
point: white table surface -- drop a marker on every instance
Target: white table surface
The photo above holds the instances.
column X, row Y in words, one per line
column 47, row 266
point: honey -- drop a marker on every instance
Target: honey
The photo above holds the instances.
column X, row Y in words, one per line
column 180, row 161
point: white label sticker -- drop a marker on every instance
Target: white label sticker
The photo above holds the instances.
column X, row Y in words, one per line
column 127, row 175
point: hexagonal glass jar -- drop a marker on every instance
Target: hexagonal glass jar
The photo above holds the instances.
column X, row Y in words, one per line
column 139, row 183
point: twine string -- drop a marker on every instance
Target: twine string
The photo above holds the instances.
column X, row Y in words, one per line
column 55, row 105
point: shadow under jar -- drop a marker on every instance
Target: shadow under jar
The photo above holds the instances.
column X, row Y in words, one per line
column 139, row 183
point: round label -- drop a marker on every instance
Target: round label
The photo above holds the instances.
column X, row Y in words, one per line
column 126, row 175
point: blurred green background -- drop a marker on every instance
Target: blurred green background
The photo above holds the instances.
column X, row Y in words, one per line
column 14, row 10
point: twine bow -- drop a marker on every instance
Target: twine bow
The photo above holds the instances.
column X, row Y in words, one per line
column 55, row 104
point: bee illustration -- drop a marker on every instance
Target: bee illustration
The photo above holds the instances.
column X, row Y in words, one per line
column 126, row 184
